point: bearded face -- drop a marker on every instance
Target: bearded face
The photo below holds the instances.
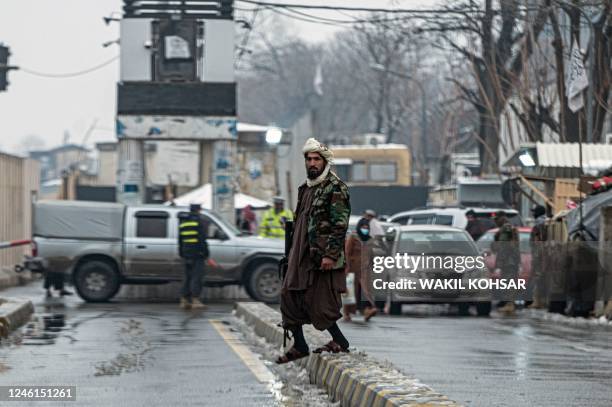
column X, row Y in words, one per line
column 315, row 164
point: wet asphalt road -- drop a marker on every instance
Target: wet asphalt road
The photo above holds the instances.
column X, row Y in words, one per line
column 496, row 361
column 132, row 354
column 153, row 354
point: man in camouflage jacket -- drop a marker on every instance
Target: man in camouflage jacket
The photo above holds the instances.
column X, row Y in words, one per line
column 328, row 220
column 315, row 273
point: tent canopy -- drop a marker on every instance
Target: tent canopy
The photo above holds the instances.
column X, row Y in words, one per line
column 203, row 196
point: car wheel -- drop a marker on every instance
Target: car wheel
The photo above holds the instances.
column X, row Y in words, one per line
column 396, row 308
column 483, row 308
column 557, row 307
column 263, row 283
column 96, row 281
column 464, row 308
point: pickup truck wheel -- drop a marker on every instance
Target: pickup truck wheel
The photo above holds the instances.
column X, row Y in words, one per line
column 96, row 281
column 483, row 308
column 395, row 308
column 464, row 309
column 263, row 283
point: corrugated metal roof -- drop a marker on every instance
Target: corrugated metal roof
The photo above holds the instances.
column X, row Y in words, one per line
column 365, row 146
column 567, row 154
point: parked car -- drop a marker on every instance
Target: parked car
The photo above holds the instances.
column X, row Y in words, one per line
column 484, row 244
column 101, row 246
column 433, row 240
column 452, row 216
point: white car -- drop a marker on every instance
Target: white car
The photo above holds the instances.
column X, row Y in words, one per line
column 435, row 245
column 452, row 216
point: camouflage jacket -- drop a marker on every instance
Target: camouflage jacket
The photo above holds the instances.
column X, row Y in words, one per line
column 506, row 247
column 328, row 219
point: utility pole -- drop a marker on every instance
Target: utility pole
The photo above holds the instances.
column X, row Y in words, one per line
column 424, row 143
column 589, row 109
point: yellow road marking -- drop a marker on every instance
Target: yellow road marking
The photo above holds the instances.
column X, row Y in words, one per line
column 256, row 366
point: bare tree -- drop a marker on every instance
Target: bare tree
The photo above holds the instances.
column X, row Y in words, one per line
column 494, row 38
column 572, row 125
column 275, row 82
column 542, row 104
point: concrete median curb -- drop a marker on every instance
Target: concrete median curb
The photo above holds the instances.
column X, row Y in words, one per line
column 13, row 314
column 354, row 379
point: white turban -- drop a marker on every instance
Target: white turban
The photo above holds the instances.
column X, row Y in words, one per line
column 313, row 146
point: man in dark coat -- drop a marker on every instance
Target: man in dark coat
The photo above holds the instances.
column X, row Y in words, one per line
column 507, row 257
column 315, row 274
column 537, row 238
column 474, row 225
column 194, row 251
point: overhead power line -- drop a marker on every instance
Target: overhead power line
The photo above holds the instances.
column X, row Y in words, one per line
column 348, row 8
column 311, row 18
column 69, row 74
column 287, row 13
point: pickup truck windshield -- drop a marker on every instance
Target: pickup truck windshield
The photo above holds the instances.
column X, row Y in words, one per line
column 218, row 218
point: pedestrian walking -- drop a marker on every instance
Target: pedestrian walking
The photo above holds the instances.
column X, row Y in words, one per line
column 375, row 228
column 537, row 237
column 273, row 220
column 475, row 227
column 582, row 268
column 194, row 251
column 349, row 301
column 315, row 279
column 359, row 256
column 55, row 280
column 507, row 257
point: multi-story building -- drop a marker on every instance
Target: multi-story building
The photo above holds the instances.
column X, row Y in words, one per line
column 59, row 159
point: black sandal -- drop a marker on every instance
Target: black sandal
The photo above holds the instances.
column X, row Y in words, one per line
column 331, row 347
column 291, row 355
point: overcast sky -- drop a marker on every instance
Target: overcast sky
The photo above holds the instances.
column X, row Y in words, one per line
column 65, row 36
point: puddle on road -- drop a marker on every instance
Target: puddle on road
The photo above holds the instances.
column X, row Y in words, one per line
column 131, row 337
column 43, row 329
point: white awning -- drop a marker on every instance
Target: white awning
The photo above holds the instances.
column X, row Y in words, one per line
column 567, row 155
column 203, row 196
column 343, row 161
column 249, row 127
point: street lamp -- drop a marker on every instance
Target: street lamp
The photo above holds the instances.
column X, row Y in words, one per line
column 273, row 139
column 526, row 159
column 382, row 68
column 274, row 135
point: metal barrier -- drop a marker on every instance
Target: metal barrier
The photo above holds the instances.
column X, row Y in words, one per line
column 14, row 243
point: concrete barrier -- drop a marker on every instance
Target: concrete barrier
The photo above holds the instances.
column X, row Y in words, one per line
column 14, row 313
column 10, row 278
column 354, row 379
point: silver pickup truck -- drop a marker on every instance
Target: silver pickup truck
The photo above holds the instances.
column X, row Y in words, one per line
column 103, row 245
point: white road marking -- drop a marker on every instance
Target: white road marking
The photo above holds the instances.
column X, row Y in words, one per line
column 259, row 369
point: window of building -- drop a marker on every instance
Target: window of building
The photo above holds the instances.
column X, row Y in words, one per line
column 383, row 172
column 343, row 171
column 360, row 172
